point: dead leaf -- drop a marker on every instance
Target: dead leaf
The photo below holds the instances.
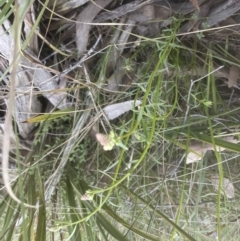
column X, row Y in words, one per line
column 198, row 149
column 220, row 12
column 195, row 3
column 26, row 104
column 29, row 21
column 63, row 6
column 115, row 110
column 45, row 82
column 84, row 21
column 120, row 11
column 198, row 15
column 233, row 75
column 6, row 40
column 227, row 187
column 13, row 143
column 146, row 13
column 115, row 80
column 115, row 62
column 162, row 12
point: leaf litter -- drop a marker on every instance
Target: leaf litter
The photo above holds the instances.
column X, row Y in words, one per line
column 198, row 149
column 227, row 186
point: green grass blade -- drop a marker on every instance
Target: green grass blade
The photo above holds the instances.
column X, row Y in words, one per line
column 218, row 142
column 10, row 207
column 11, row 231
column 41, row 224
column 172, row 223
column 75, row 230
column 50, row 116
column 32, row 199
column 113, row 214
column 100, row 218
column 9, row 222
column 6, row 11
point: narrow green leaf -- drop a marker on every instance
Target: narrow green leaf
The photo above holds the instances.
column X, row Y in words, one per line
column 6, row 11
column 11, row 206
column 7, row 230
column 101, row 219
column 32, row 199
column 80, row 191
column 127, row 225
column 49, row 116
column 179, row 229
column 75, row 232
column 218, row 142
column 41, row 225
column 10, row 231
